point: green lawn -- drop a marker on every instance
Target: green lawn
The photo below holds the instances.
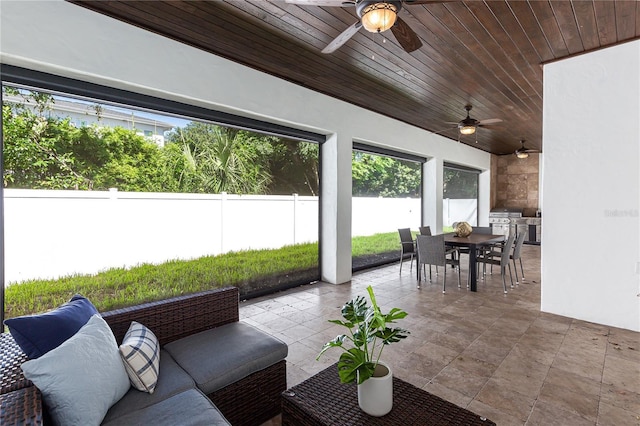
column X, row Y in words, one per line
column 119, row 287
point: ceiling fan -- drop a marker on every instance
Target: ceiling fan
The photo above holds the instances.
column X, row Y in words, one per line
column 375, row 16
column 523, row 152
column 468, row 125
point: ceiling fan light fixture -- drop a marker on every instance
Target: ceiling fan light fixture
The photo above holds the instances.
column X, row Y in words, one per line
column 467, row 130
column 378, row 17
column 522, row 154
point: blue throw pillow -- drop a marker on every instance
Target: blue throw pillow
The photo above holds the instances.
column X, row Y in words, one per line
column 38, row 334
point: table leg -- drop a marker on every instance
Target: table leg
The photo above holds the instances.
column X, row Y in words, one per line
column 472, row 267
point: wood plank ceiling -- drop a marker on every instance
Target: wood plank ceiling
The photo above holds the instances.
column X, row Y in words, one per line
column 488, row 54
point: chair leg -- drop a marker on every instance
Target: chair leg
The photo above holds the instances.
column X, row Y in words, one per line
column 521, row 269
column 444, row 281
column 411, row 263
column 515, row 270
column 458, row 276
column 510, row 276
column 401, row 259
column 504, row 280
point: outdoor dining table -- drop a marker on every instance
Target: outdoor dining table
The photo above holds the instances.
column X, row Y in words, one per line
column 473, row 241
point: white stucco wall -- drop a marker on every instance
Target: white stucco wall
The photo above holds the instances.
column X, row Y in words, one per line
column 591, row 187
column 68, row 40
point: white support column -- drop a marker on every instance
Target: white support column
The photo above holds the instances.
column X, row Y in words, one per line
column 484, row 197
column 336, row 210
column 432, row 172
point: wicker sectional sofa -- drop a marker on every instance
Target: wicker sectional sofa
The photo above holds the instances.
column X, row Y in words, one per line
column 214, row 369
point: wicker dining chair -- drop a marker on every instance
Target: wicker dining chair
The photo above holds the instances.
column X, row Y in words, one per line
column 425, row 230
column 431, row 251
column 407, row 246
column 517, row 255
column 501, row 258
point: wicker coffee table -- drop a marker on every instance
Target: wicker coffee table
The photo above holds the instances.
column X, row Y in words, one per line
column 323, row 400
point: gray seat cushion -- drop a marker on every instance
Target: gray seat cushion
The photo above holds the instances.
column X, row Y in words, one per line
column 187, row 408
column 218, row 357
column 172, row 380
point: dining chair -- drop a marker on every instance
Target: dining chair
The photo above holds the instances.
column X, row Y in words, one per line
column 407, row 246
column 516, row 255
column 431, row 251
column 425, row 230
column 449, row 250
column 485, row 230
column 502, row 258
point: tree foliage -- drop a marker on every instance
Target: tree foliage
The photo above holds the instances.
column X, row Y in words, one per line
column 378, row 176
column 459, row 184
column 42, row 151
column 211, row 159
column 294, row 166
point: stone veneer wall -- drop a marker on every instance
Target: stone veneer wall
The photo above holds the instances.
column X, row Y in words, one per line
column 515, row 181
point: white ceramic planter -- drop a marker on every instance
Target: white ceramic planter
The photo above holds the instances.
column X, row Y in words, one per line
column 375, row 395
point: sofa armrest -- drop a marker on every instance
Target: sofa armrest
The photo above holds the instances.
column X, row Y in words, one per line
column 11, row 358
column 21, row 407
column 172, row 319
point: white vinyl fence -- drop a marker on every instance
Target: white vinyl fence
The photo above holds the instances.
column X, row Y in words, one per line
column 50, row 234
column 463, row 210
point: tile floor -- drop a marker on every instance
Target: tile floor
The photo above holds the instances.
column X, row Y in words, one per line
column 494, row 354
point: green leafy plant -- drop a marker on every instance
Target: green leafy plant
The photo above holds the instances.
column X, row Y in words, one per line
column 368, row 333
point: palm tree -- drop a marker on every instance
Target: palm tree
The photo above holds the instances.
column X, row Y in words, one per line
column 221, row 159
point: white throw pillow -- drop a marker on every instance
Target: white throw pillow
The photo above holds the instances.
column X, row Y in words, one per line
column 83, row 377
column 140, row 353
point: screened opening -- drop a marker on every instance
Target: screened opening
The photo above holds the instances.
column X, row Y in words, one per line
column 386, row 195
column 460, row 196
column 126, row 204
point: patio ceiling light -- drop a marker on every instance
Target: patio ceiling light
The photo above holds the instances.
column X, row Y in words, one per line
column 378, row 17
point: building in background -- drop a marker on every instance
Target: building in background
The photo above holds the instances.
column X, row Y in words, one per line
column 82, row 114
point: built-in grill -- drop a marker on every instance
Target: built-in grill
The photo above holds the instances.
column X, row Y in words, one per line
column 502, row 220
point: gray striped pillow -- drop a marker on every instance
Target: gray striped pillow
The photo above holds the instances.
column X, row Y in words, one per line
column 140, row 353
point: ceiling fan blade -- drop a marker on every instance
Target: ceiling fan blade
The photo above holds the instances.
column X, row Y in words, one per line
column 491, row 127
column 342, row 38
column 452, row 122
column 329, row 3
column 489, row 121
column 407, row 38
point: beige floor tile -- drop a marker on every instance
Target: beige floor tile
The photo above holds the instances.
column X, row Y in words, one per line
column 450, row 395
column 467, row 383
column 545, row 414
column 497, row 416
column 621, row 373
column 621, row 398
column 574, row 382
column 577, row 403
column 610, row 415
column 498, row 396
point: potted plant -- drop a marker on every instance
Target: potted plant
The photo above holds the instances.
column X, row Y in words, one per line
column 362, row 347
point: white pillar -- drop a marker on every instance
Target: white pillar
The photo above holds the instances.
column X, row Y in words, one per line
column 484, row 197
column 432, row 172
column 335, row 209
